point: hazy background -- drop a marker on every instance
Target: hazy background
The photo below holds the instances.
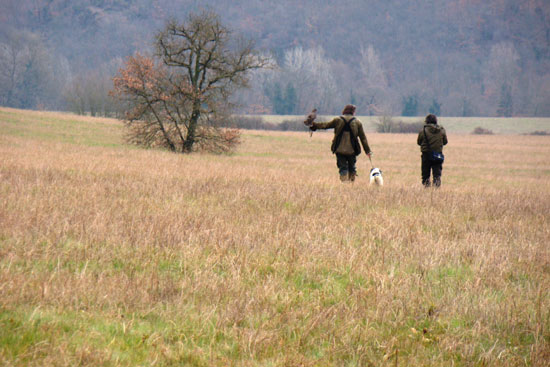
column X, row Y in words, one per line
column 450, row 57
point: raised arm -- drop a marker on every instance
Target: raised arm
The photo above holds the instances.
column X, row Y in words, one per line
column 325, row 125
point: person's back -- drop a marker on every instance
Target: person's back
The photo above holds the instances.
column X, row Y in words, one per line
column 436, row 138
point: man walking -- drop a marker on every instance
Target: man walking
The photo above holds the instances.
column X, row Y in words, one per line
column 431, row 139
column 348, row 130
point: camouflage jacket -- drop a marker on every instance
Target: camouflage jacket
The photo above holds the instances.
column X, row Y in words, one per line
column 436, row 135
column 338, row 124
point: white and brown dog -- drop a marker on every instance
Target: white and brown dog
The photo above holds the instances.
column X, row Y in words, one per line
column 376, row 177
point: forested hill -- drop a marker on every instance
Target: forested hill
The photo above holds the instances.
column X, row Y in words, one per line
column 452, row 57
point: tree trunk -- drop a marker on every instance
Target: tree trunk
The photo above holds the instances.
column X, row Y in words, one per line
column 192, row 129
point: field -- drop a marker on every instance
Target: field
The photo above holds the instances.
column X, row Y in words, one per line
column 112, row 255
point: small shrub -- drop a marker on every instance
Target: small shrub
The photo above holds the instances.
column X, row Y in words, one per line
column 482, row 131
column 539, row 132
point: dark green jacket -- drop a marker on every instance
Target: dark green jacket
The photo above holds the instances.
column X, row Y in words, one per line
column 338, row 123
column 436, row 135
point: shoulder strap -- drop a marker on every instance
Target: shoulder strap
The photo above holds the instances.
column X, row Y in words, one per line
column 347, row 122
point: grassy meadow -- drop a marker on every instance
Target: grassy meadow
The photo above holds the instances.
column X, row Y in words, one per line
column 112, row 255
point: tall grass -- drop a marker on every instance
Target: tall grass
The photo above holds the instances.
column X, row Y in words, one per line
column 117, row 256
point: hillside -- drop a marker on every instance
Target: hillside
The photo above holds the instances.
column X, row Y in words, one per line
column 455, row 57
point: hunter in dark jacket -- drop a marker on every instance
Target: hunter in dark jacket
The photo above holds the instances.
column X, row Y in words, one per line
column 348, row 130
column 432, row 137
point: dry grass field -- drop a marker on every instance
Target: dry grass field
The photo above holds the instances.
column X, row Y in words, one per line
column 116, row 256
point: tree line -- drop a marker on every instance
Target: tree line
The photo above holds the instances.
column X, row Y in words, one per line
column 453, row 57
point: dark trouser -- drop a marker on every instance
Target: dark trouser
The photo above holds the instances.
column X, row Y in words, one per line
column 430, row 167
column 346, row 164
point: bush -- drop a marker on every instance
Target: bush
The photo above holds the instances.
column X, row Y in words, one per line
column 386, row 124
column 539, row 132
column 482, row 131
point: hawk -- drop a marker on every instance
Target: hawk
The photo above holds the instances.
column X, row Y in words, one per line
column 311, row 117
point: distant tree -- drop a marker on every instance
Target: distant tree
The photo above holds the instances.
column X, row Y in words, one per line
column 410, row 106
column 501, row 76
column 89, row 91
column 505, row 107
column 30, row 75
column 74, row 96
column 311, row 75
column 435, row 107
column 276, row 97
column 257, row 98
column 290, row 99
column 466, row 107
column 352, row 98
column 374, row 82
column 177, row 101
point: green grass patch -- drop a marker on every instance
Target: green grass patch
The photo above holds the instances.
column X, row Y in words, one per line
column 28, row 335
column 61, row 127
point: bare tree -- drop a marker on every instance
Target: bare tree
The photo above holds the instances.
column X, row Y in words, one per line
column 90, row 91
column 30, row 75
column 375, row 82
column 177, row 101
column 501, row 76
column 74, row 95
column 14, row 54
column 311, row 74
column 256, row 99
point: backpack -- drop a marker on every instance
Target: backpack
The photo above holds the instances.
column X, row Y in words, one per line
column 354, row 142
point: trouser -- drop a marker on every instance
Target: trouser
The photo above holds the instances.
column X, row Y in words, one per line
column 430, row 167
column 346, row 166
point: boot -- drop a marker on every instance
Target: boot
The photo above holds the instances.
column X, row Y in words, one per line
column 352, row 177
column 344, row 178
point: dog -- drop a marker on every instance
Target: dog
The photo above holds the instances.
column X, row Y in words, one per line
column 376, row 177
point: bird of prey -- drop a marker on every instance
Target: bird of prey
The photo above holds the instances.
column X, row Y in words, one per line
column 309, row 120
column 311, row 117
